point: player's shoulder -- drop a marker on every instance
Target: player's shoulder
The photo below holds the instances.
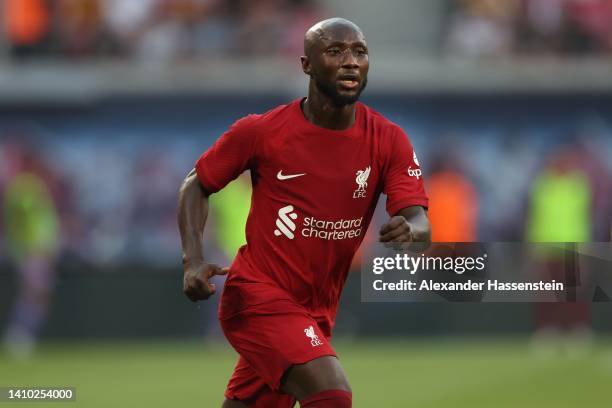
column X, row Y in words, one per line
column 389, row 137
column 384, row 127
column 268, row 119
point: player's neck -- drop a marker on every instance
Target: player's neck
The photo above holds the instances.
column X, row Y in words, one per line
column 321, row 111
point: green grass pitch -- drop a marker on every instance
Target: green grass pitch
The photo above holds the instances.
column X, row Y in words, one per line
column 410, row 373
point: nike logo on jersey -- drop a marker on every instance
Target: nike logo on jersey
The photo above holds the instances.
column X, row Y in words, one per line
column 282, row 176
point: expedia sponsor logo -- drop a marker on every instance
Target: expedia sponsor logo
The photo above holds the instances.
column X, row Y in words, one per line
column 414, row 172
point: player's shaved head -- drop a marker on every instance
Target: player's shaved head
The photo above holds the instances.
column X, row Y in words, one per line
column 336, row 60
column 324, row 30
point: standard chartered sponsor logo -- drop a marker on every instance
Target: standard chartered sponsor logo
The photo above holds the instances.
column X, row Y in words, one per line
column 316, row 228
column 331, row 230
column 284, row 222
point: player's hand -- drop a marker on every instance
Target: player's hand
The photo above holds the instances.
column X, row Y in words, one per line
column 397, row 229
column 195, row 280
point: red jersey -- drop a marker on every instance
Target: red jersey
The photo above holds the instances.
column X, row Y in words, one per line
column 314, row 193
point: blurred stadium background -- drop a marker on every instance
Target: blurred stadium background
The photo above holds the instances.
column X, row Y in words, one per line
column 106, row 104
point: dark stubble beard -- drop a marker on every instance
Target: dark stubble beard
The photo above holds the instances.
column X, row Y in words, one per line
column 337, row 99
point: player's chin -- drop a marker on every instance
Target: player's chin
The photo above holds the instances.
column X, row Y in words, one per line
column 347, row 96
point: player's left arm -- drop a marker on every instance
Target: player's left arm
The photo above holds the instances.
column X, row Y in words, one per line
column 410, row 224
column 406, row 197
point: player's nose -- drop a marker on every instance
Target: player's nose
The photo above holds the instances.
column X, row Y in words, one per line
column 349, row 60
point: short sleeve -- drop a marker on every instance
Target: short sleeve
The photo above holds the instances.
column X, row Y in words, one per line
column 229, row 156
column 403, row 183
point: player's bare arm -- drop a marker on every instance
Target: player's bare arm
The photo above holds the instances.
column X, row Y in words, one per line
column 409, row 225
column 191, row 215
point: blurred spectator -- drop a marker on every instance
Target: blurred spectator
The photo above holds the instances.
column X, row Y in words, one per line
column 126, row 20
column 168, row 33
column 538, row 27
column 31, row 225
column 589, row 26
column 482, row 27
column 230, row 209
column 453, row 201
column 80, row 28
column 541, row 25
column 561, row 200
column 560, row 211
column 27, row 24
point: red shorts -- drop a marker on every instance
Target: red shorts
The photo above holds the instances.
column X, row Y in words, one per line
column 271, row 338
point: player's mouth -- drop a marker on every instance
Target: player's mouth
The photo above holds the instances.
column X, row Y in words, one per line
column 348, row 81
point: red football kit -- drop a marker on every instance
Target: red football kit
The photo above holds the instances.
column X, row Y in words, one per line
column 314, row 193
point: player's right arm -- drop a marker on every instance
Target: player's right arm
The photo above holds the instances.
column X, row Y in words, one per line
column 229, row 156
column 192, row 214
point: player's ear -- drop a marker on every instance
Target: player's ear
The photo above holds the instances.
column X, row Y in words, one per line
column 305, row 64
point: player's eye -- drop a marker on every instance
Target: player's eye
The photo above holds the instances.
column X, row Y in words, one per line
column 362, row 51
column 333, row 51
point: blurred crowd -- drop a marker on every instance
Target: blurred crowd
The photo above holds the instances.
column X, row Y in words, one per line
column 154, row 29
column 111, row 201
column 171, row 30
column 532, row 27
column 106, row 208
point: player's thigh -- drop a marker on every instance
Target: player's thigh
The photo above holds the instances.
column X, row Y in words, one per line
column 272, row 343
column 228, row 403
column 321, row 374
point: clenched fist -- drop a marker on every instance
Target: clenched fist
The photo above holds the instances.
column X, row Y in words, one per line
column 396, row 230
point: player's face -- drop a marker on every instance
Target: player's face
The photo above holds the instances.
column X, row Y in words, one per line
column 339, row 65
